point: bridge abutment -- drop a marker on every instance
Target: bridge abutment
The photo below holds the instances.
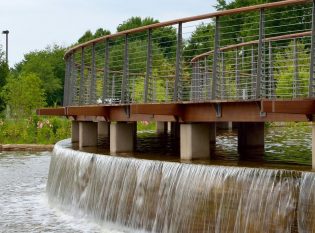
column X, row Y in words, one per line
column 251, row 140
column 122, row 136
column 195, row 141
column 87, row 133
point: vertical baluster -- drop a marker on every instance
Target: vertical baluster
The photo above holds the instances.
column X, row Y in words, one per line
column 92, row 96
column 193, row 81
column 148, row 75
column 113, row 100
column 296, row 82
column 206, row 80
column 260, row 59
column 81, row 92
column 178, row 71
column 312, row 54
column 237, row 75
column 223, row 83
column 271, row 75
column 106, row 72
column 66, row 82
column 215, row 57
column 124, row 83
column 253, row 72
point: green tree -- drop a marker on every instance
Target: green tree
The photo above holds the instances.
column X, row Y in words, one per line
column 4, row 72
column 88, row 35
column 24, row 94
column 49, row 66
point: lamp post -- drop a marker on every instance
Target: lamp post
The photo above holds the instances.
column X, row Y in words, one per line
column 6, row 32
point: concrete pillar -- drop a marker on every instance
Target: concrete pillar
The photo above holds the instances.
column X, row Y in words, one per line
column 161, row 127
column 87, row 133
column 251, row 140
column 175, row 129
column 194, row 141
column 122, row 137
column 212, row 133
column 103, row 129
column 313, row 145
column 74, row 131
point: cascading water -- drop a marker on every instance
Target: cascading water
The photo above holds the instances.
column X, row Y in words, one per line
column 156, row 196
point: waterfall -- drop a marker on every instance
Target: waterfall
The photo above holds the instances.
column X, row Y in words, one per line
column 158, row 196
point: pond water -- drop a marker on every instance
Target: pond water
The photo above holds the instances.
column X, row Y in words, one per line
column 24, row 205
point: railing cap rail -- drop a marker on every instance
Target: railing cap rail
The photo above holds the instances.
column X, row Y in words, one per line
column 188, row 19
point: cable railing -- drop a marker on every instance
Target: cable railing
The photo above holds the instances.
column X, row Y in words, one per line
column 251, row 53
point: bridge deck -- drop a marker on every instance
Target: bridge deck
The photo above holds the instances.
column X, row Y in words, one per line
column 210, row 111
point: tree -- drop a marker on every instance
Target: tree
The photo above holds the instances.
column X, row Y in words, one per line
column 24, row 94
column 88, row 35
column 4, row 72
column 49, row 66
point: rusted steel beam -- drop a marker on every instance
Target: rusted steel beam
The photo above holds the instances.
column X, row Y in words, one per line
column 51, row 111
column 237, row 111
column 156, row 109
column 87, row 111
column 189, row 19
column 289, row 106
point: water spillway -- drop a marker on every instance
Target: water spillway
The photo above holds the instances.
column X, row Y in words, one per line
column 158, row 196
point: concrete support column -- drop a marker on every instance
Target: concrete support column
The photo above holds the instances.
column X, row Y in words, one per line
column 161, row 127
column 74, row 131
column 87, row 133
column 194, row 141
column 175, row 129
column 313, row 145
column 122, row 136
column 103, row 129
column 212, row 133
column 251, row 140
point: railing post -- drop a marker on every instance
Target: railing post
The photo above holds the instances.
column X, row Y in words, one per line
column 271, row 76
column 106, row 72
column 223, row 83
column 66, row 83
column 215, row 58
column 124, row 85
column 237, row 75
column 206, row 79
column 312, row 54
column 148, row 74
column 81, row 92
column 296, row 81
column 178, row 71
column 73, row 79
column 253, row 72
column 260, row 62
column 92, row 96
column 193, row 81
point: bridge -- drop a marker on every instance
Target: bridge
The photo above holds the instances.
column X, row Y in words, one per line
column 249, row 65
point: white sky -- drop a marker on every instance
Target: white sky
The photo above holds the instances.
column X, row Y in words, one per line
column 34, row 24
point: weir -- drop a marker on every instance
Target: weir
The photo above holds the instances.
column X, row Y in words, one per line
column 157, row 196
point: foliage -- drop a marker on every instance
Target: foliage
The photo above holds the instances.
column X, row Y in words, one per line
column 88, row 35
column 24, row 94
column 49, row 66
column 285, row 71
column 4, row 72
column 33, row 130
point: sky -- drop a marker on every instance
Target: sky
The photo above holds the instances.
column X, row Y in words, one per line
column 35, row 24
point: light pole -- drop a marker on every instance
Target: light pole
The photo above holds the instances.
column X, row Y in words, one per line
column 6, row 32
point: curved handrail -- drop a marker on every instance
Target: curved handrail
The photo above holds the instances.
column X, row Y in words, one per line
column 234, row 46
column 188, row 19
